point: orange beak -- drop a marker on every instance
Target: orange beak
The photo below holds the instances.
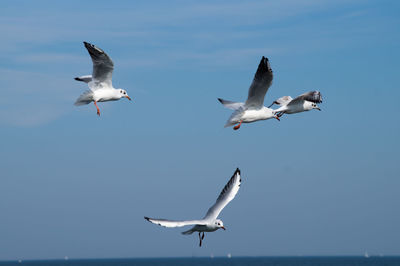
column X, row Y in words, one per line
column 129, row 98
column 223, row 227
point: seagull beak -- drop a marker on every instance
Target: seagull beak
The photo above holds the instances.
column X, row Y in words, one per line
column 223, row 227
column 129, row 98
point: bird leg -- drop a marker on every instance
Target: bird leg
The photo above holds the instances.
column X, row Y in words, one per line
column 238, row 126
column 200, row 239
column 98, row 110
column 280, row 114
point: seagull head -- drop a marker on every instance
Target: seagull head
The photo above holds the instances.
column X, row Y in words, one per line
column 315, row 106
column 218, row 223
column 123, row 94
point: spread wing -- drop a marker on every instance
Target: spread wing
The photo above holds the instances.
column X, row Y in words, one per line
column 227, row 194
column 171, row 223
column 261, row 82
column 103, row 66
column 311, row 96
column 230, row 104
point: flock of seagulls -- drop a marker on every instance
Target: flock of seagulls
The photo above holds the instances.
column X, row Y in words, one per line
column 254, row 110
column 102, row 90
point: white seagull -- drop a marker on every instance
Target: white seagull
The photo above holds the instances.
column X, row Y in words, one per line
column 302, row 103
column 253, row 109
column 100, row 83
column 209, row 223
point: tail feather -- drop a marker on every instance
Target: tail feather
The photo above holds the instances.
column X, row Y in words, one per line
column 85, row 98
column 188, row 232
column 235, row 117
column 230, row 123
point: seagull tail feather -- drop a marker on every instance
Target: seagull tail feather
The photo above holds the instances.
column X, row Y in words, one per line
column 188, row 232
column 85, row 98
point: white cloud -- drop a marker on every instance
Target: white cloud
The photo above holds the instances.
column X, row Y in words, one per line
column 32, row 98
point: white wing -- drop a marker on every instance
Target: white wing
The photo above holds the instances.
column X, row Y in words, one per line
column 103, row 67
column 282, row 101
column 261, row 82
column 171, row 223
column 227, row 194
column 230, row 104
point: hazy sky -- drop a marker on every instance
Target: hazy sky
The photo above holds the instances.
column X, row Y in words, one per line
column 316, row 183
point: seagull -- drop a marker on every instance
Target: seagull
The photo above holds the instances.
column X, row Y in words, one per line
column 99, row 83
column 302, row 103
column 209, row 223
column 253, row 109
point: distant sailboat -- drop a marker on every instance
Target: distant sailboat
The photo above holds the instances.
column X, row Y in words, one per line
column 366, row 254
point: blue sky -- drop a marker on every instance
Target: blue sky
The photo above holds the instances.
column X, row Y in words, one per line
column 316, row 183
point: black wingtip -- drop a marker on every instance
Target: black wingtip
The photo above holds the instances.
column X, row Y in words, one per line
column 78, row 79
column 147, row 218
column 317, row 92
column 237, row 171
column 88, row 45
column 264, row 65
column 220, row 100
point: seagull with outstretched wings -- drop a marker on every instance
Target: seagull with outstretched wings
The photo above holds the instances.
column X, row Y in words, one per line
column 209, row 223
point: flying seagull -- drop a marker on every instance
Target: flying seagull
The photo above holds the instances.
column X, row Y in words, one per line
column 302, row 103
column 253, row 109
column 209, row 223
column 100, row 83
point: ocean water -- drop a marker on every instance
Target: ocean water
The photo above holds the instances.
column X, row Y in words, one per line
column 267, row 261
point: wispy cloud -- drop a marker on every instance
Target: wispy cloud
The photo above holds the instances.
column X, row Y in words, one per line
column 41, row 51
column 32, row 98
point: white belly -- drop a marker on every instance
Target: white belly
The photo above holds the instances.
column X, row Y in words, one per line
column 204, row 228
column 255, row 115
column 104, row 95
column 297, row 109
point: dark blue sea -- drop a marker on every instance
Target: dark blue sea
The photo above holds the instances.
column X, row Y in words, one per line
column 270, row 261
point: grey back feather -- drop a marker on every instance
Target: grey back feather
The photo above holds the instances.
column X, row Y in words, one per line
column 311, row 96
